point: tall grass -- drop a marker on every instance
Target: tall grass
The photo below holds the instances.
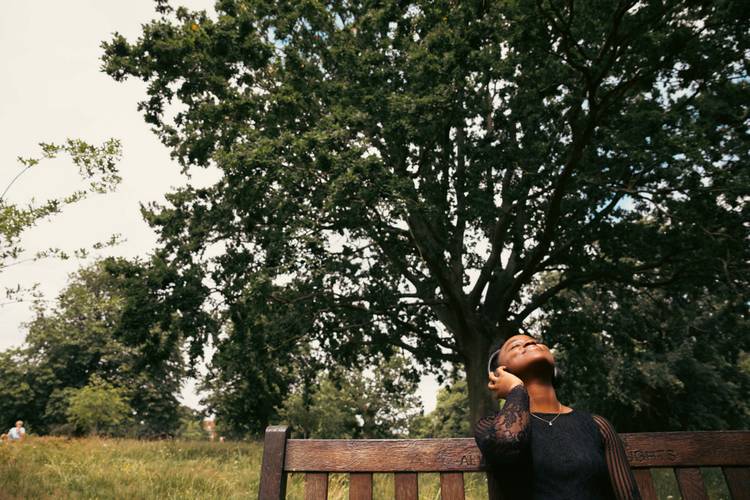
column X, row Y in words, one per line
column 58, row 468
column 109, row 468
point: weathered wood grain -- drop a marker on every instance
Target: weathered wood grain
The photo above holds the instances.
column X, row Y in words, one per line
column 687, row 449
column 738, row 481
column 360, row 486
column 382, row 455
column 272, row 476
column 690, row 482
column 452, row 486
column 406, row 486
column 645, row 484
column 662, row 449
column 316, row 486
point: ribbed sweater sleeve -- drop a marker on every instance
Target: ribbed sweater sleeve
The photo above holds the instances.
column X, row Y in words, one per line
column 503, row 436
column 620, row 475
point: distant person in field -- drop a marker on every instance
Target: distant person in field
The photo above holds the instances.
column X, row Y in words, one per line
column 17, row 433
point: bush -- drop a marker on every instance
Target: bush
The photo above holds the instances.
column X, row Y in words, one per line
column 99, row 408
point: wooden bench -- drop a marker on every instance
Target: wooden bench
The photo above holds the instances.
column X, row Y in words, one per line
column 684, row 452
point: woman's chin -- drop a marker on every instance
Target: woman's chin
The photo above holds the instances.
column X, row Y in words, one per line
column 537, row 363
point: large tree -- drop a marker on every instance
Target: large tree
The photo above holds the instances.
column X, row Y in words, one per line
column 416, row 172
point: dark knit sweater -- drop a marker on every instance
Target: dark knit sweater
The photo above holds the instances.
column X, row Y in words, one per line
column 578, row 457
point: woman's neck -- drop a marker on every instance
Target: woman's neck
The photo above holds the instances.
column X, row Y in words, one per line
column 542, row 396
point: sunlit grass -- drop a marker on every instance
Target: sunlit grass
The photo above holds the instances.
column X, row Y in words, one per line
column 104, row 468
column 60, row 468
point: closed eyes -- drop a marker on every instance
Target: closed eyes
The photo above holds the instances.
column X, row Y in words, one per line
column 518, row 344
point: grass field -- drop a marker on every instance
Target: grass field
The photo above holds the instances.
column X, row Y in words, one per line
column 45, row 468
column 59, row 468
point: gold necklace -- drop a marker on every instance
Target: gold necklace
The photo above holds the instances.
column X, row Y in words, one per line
column 559, row 410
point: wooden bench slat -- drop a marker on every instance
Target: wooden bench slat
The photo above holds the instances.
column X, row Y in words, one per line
column 382, row 455
column 657, row 449
column 645, row 484
column 316, row 486
column 406, row 486
column 687, row 449
column 690, row 482
column 738, row 481
column 452, row 486
column 272, row 477
column 360, row 486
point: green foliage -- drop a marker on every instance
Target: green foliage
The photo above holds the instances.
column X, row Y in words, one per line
column 191, row 425
column 409, row 175
column 258, row 354
column 450, row 418
column 669, row 359
column 354, row 404
column 16, row 388
column 96, row 164
column 79, row 340
column 98, row 408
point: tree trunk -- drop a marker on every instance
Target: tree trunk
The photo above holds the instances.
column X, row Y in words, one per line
column 476, row 354
column 481, row 402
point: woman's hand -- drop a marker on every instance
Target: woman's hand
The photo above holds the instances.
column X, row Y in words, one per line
column 501, row 382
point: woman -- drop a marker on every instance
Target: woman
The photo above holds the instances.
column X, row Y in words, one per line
column 17, row 433
column 539, row 448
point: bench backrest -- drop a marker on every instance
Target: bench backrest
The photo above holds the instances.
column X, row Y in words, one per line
column 685, row 452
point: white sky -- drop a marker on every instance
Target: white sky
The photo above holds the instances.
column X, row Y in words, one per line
column 53, row 89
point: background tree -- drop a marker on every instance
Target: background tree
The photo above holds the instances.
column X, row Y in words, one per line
column 377, row 403
column 191, row 425
column 79, row 341
column 15, row 389
column 411, row 171
column 450, row 418
column 259, row 352
column 98, row 408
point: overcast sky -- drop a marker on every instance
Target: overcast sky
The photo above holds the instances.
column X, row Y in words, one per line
column 52, row 89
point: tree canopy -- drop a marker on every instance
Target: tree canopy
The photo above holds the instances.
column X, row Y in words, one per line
column 426, row 175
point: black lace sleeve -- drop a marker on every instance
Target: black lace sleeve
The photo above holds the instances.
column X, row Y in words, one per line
column 620, row 475
column 504, row 436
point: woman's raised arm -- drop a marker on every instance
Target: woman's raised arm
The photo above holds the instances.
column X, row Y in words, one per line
column 505, row 435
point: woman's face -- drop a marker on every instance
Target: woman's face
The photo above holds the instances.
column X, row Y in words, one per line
column 521, row 352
